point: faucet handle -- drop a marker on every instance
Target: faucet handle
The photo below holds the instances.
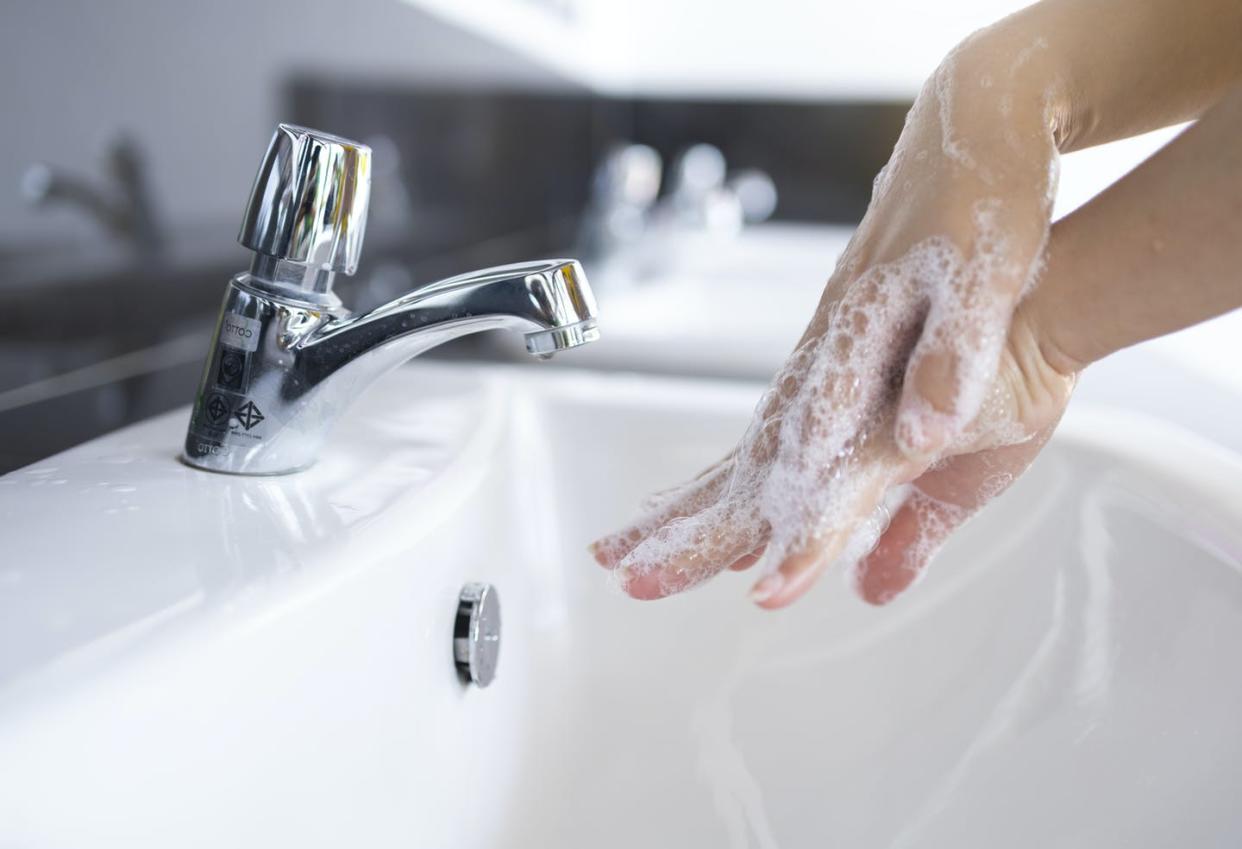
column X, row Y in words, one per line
column 309, row 202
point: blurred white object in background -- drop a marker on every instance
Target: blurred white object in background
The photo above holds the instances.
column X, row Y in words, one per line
column 1086, row 173
column 756, row 193
column 780, row 48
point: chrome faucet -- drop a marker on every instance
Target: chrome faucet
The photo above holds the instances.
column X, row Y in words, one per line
column 287, row 358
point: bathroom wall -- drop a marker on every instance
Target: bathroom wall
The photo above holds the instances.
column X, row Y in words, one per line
column 502, row 161
column 199, row 85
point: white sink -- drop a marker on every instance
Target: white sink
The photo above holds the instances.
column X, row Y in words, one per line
column 189, row 659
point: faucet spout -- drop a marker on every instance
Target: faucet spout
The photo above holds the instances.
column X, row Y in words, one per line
column 549, row 300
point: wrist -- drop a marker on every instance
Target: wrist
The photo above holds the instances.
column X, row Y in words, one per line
column 1049, row 310
column 1011, row 70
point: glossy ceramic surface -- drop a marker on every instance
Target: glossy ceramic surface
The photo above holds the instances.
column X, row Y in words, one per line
column 195, row 659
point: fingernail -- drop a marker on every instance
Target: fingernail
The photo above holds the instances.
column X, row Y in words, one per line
column 767, row 587
column 599, row 554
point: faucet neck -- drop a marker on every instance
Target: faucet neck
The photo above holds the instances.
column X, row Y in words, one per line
column 288, row 274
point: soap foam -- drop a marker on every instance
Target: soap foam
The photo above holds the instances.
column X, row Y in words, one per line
column 953, row 146
column 821, row 439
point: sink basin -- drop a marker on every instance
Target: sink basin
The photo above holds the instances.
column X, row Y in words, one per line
column 193, row 659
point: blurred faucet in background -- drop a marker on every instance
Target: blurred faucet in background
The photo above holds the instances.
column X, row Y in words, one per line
column 123, row 206
column 629, row 230
column 623, row 192
column 703, row 197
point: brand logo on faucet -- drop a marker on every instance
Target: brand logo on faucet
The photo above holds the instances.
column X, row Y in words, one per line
column 219, row 411
column 232, row 371
column 248, row 415
column 238, row 331
column 217, row 408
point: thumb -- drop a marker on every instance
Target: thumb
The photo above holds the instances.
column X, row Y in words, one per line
column 949, row 370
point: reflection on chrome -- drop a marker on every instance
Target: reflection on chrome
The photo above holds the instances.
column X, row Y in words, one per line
column 287, row 358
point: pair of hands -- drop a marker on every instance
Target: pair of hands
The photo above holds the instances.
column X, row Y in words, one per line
column 919, row 391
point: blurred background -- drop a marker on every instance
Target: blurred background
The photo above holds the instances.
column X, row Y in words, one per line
column 705, row 160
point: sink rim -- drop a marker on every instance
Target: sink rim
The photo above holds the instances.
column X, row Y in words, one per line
column 1186, row 460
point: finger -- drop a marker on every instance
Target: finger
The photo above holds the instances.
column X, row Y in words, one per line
column 661, row 500
column 795, row 575
column 918, row 530
column 952, row 365
column 970, row 306
column 800, row 569
column 688, row 551
column 687, row 500
column 747, row 560
column 940, row 501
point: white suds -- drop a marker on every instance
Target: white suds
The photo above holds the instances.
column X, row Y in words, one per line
column 797, row 476
column 953, row 146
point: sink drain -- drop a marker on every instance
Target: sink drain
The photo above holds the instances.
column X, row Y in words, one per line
column 476, row 634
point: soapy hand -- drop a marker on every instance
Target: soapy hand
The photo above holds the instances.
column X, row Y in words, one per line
column 915, row 394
